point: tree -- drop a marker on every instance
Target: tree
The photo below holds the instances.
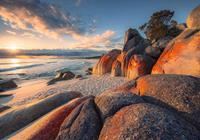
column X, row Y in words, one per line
column 158, row 25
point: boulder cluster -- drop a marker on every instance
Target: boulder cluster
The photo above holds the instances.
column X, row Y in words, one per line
column 167, row 55
column 151, row 107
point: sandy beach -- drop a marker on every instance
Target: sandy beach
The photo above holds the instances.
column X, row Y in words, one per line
column 34, row 90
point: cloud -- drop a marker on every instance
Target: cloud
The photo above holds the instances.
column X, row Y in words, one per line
column 11, row 32
column 39, row 17
column 99, row 41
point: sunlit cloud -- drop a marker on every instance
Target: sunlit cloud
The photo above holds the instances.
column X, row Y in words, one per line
column 39, row 17
column 11, row 32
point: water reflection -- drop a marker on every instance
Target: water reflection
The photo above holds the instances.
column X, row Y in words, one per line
column 15, row 62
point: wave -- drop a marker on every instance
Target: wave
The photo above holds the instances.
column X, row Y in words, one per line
column 20, row 67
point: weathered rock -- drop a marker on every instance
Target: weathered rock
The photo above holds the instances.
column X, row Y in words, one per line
column 104, row 64
column 16, row 118
column 176, row 92
column 78, row 76
column 89, row 71
column 3, row 108
column 7, row 84
column 139, row 65
column 162, row 42
column 134, row 40
column 47, row 128
column 145, row 121
column 193, row 20
column 153, row 51
column 67, row 75
column 116, row 68
column 181, row 56
column 109, row 103
column 82, row 124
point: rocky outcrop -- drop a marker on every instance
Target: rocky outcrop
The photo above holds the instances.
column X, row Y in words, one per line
column 145, row 121
column 7, row 84
column 48, row 126
column 16, row 118
column 66, row 75
column 83, row 123
column 139, row 65
column 193, row 20
column 133, row 39
column 109, row 103
column 175, row 92
column 181, row 56
column 104, row 64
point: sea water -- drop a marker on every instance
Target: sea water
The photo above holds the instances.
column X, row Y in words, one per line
column 26, row 68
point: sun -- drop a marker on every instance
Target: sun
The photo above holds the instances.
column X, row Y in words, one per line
column 13, row 47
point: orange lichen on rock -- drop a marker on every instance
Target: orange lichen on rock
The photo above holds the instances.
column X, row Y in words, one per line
column 48, row 127
column 105, row 63
column 181, row 56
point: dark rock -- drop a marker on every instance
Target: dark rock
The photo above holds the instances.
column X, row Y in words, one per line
column 193, row 20
column 78, row 76
column 89, row 71
column 134, row 40
column 145, row 121
column 82, row 124
column 153, row 51
column 162, row 42
column 178, row 93
column 110, row 102
column 47, row 127
column 7, row 84
column 67, row 75
column 3, row 108
column 16, row 118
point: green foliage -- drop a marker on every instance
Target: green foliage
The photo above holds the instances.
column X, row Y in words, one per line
column 158, row 25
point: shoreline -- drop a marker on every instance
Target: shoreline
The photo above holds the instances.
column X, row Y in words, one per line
column 34, row 90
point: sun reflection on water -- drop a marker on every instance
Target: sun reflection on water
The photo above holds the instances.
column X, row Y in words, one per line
column 15, row 62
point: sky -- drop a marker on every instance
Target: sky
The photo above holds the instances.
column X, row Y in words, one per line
column 78, row 24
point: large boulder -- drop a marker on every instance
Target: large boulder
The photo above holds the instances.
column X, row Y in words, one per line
column 48, row 127
column 7, row 84
column 145, row 121
column 109, row 103
column 82, row 124
column 18, row 117
column 133, row 39
column 181, row 56
column 178, row 93
column 104, row 64
column 193, row 20
column 139, row 65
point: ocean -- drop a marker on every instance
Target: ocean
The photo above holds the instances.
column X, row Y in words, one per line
column 41, row 67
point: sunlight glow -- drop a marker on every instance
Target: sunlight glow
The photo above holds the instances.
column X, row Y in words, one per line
column 13, row 47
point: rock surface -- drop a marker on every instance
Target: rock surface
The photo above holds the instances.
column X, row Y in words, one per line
column 139, row 65
column 109, row 103
column 116, row 68
column 145, row 121
column 181, row 93
column 83, row 123
column 7, row 84
column 181, row 56
column 18, row 117
column 67, row 75
column 47, row 128
column 104, row 64
column 193, row 20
